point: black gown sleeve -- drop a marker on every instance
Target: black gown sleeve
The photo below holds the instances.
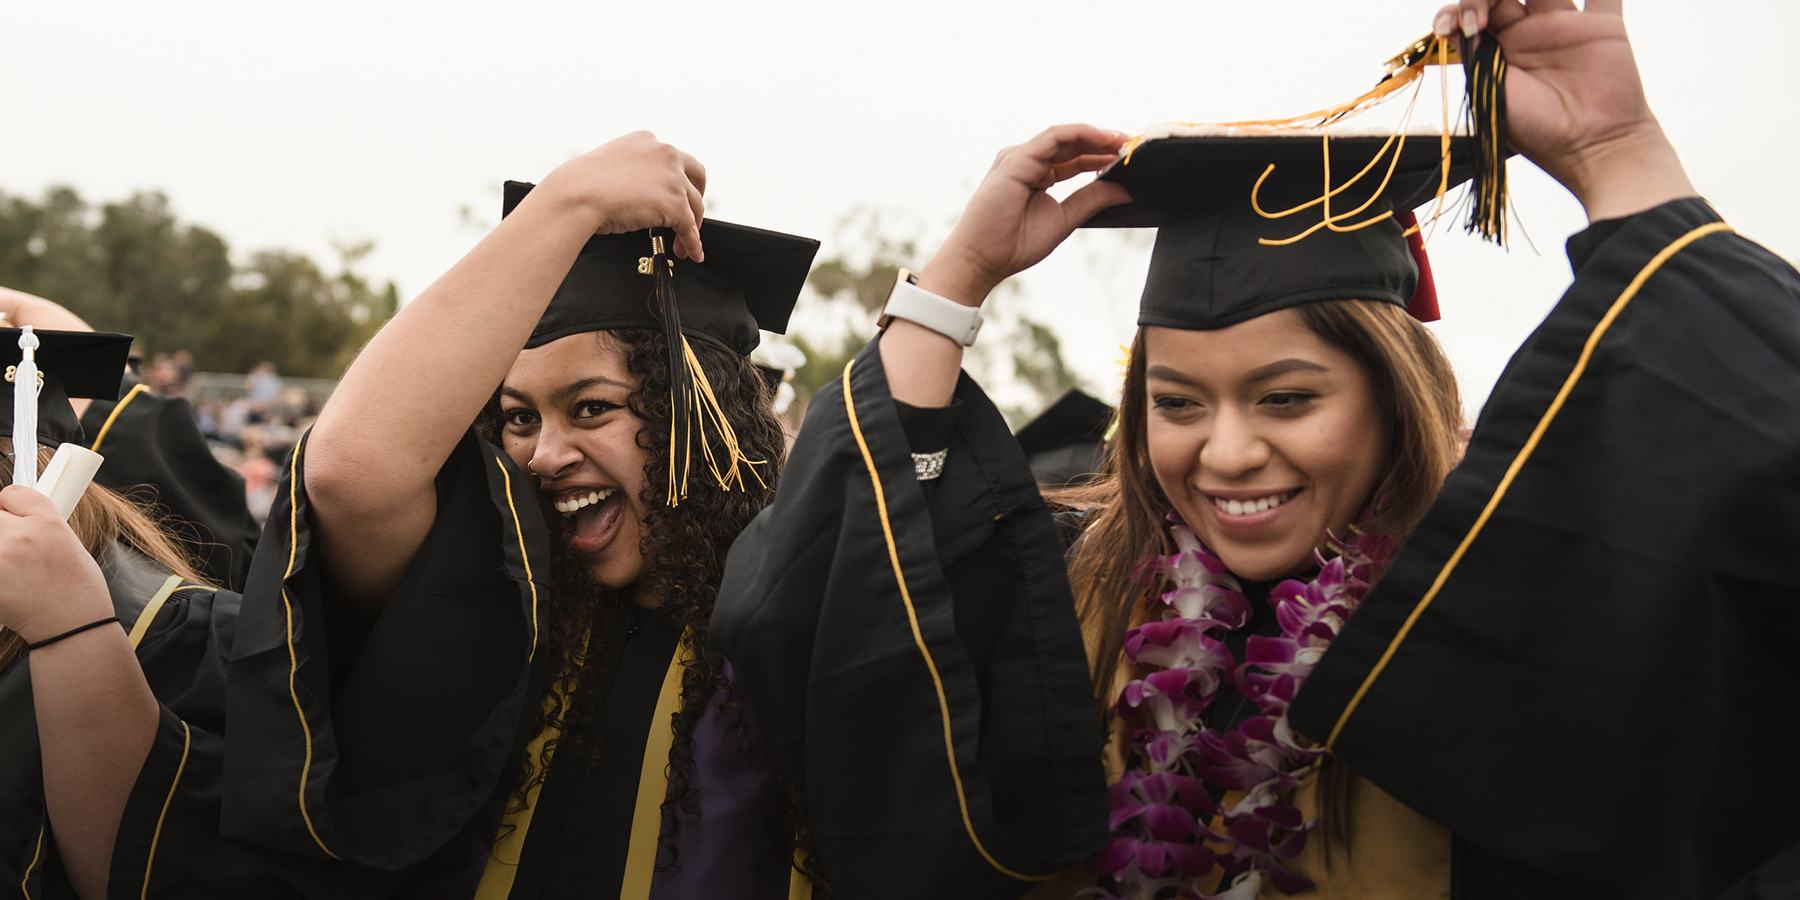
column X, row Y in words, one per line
column 155, row 453
column 1579, row 662
column 917, row 666
column 356, row 750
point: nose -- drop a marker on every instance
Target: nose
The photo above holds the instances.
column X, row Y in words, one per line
column 1233, row 449
column 554, row 452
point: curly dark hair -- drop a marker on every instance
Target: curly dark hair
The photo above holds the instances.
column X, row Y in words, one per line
column 684, row 551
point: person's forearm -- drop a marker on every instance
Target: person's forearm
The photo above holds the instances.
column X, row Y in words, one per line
column 1629, row 175
column 96, row 720
column 21, row 308
column 922, row 365
column 414, row 390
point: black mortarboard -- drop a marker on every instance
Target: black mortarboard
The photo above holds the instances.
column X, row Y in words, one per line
column 749, row 281
column 72, row 364
column 1228, row 205
column 1255, row 217
column 1066, row 442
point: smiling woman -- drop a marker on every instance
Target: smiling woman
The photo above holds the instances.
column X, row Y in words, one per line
column 1599, row 579
column 1284, row 422
column 474, row 658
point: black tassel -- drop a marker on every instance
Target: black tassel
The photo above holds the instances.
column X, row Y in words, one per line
column 1485, row 100
column 681, row 390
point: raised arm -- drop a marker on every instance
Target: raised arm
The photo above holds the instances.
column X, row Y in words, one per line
column 415, row 389
column 96, row 716
column 1574, row 102
column 1010, row 224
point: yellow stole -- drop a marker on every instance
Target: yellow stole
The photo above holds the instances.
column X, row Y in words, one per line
column 646, row 818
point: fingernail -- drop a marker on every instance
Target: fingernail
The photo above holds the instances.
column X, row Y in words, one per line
column 1468, row 22
column 1446, row 23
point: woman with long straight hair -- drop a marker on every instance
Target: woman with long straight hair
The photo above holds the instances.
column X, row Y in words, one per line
column 1093, row 694
column 105, row 629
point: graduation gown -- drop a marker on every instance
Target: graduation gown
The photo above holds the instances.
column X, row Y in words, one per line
column 368, row 760
column 917, row 665
column 156, row 453
column 1579, row 661
column 177, row 628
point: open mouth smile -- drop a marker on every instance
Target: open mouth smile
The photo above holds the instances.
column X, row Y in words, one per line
column 1253, row 506
column 571, row 505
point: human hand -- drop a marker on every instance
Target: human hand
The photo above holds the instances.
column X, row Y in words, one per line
column 636, row 182
column 1574, row 102
column 48, row 582
column 1012, row 222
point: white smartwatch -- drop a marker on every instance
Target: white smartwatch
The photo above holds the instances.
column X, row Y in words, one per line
column 945, row 316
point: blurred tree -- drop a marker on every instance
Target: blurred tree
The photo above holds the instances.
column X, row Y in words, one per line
column 1017, row 356
column 132, row 266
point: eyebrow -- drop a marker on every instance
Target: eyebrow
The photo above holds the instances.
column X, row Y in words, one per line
column 1262, row 373
column 566, row 391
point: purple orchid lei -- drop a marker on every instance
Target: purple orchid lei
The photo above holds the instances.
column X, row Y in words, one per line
column 1162, row 816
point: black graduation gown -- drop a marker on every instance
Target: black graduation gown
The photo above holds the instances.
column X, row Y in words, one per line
column 1585, row 668
column 374, row 760
column 357, row 751
column 941, row 722
column 177, row 629
column 155, row 453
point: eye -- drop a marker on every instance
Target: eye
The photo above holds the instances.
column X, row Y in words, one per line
column 1175, row 405
column 592, row 409
column 1285, row 401
column 518, row 418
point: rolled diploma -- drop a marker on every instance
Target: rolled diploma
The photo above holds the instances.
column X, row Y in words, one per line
column 67, row 476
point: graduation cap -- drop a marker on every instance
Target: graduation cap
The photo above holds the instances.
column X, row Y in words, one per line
column 64, row 365
column 1065, row 443
column 749, row 281
column 1255, row 217
column 748, row 284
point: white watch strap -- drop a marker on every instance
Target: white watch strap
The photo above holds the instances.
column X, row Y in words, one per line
column 946, row 317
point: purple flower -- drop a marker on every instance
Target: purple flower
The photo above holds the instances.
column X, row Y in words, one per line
column 1162, row 816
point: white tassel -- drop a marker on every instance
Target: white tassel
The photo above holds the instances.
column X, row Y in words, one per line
column 25, row 411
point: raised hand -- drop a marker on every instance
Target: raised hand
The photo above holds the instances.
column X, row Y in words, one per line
column 1012, row 222
column 48, row 582
column 1574, row 102
column 635, row 182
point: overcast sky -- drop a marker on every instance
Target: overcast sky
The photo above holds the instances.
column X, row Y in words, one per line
column 296, row 124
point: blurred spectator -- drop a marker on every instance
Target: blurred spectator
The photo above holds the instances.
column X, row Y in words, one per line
column 259, row 471
column 206, row 417
column 262, row 385
column 181, row 369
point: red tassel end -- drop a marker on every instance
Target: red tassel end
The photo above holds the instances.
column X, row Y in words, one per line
column 1424, row 304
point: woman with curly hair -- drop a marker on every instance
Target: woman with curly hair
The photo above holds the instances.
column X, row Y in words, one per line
column 474, row 659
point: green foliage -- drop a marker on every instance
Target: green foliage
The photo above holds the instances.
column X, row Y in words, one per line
column 1017, row 356
column 1037, row 361
column 133, row 267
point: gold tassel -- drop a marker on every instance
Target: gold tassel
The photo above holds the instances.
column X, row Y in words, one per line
column 1484, row 104
column 693, row 407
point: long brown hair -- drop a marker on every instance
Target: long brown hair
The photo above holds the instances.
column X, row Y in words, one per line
column 1415, row 389
column 101, row 517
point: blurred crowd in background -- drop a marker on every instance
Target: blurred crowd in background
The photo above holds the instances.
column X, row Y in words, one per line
column 250, row 421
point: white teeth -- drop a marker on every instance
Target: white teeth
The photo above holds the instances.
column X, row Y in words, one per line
column 572, row 506
column 1248, row 507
